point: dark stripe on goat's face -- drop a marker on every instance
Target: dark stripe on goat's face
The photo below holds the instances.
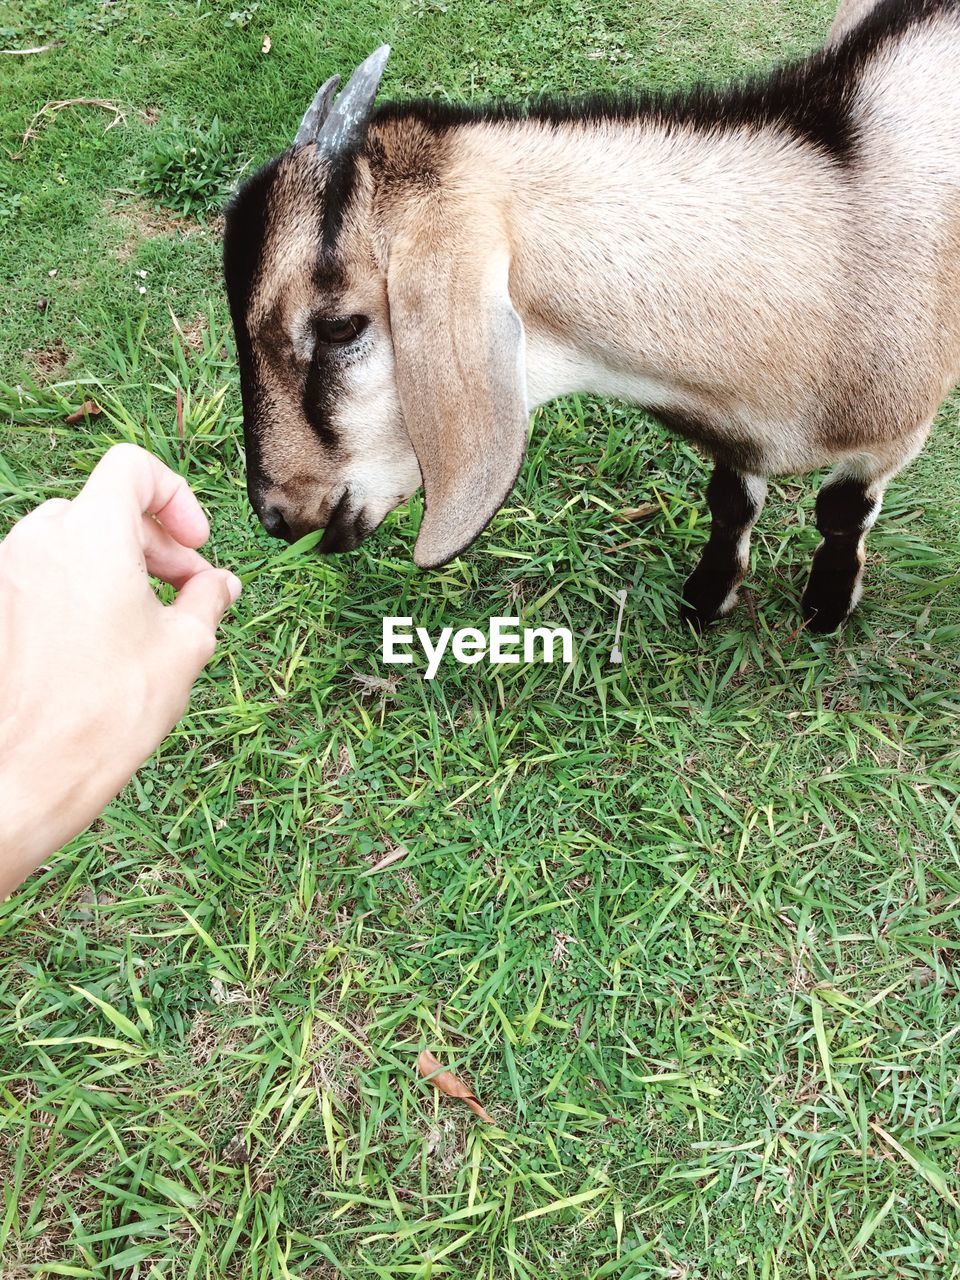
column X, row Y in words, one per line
column 337, row 193
column 810, row 99
column 844, row 509
column 321, row 388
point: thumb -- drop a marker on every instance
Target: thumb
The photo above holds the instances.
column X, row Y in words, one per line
column 207, row 596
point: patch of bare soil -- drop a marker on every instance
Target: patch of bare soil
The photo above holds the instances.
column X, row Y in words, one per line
column 141, row 221
column 50, row 361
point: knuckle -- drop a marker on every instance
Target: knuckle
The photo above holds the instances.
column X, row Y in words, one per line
column 29, row 529
column 52, row 505
column 120, row 453
column 206, row 644
column 219, row 591
column 119, row 462
column 199, row 638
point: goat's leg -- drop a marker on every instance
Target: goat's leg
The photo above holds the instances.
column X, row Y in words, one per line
column 847, row 506
column 735, row 499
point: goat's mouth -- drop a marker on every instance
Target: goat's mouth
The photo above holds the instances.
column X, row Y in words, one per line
column 345, row 529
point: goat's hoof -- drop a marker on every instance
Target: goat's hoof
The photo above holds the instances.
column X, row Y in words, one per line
column 823, row 616
column 693, row 616
column 707, row 597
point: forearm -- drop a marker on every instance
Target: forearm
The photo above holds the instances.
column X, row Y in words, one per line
column 30, row 829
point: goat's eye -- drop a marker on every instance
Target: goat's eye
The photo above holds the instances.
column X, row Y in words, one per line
column 337, row 331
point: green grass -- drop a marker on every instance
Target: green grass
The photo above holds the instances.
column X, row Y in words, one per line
column 690, row 926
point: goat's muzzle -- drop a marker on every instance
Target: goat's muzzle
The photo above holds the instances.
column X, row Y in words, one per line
column 344, row 528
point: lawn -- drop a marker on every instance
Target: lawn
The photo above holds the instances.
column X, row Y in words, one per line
column 689, row 926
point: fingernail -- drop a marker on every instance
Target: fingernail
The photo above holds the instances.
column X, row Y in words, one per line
column 234, row 586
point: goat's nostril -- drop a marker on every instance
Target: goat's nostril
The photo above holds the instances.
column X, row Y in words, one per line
column 274, row 523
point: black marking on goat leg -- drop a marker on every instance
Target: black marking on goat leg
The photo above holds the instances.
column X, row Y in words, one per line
column 844, row 509
column 733, row 510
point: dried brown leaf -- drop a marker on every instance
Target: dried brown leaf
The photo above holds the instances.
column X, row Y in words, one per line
column 451, row 1085
column 89, row 408
column 388, row 859
column 386, row 685
column 643, row 512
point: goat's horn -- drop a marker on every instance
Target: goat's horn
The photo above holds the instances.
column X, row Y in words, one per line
column 347, row 120
column 316, row 113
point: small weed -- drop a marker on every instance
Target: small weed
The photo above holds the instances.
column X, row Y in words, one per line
column 190, row 171
column 242, row 17
column 10, row 202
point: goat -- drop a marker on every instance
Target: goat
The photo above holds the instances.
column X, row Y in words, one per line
column 771, row 269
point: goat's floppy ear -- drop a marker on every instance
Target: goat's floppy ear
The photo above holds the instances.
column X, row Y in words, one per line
column 459, row 349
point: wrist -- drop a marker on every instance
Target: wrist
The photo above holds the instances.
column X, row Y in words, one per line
column 48, row 790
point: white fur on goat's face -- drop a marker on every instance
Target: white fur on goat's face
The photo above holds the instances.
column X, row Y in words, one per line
column 366, row 417
column 326, row 444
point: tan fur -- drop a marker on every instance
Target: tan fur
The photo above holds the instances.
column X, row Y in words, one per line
column 277, row 319
column 451, row 357
column 306, row 476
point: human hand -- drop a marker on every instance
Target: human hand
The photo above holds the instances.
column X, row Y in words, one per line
column 95, row 670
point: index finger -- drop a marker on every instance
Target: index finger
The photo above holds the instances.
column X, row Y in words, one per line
column 130, row 481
